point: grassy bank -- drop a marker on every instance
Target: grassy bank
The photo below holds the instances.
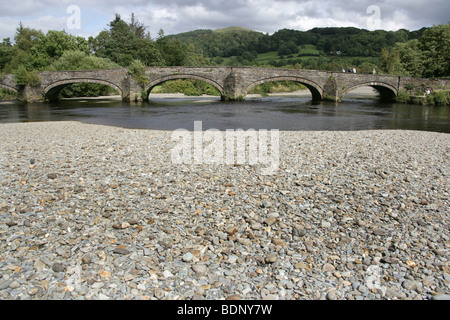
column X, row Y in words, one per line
column 437, row 98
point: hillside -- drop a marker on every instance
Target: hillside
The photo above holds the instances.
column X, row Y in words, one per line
column 324, row 48
column 232, row 29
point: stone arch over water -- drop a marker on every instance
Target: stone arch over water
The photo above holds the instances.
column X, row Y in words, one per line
column 51, row 91
column 314, row 88
column 158, row 81
column 4, row 86
column 387, row 92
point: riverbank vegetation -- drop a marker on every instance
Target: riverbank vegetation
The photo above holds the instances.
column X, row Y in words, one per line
column 127, row 43
column 7, row 95
column 188, row 87
column 439, row 98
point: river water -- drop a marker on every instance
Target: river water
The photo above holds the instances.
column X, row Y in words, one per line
column 358, row 111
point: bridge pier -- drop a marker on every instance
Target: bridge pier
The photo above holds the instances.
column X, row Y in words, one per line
column 234, row 89
column 131, row 91
column 30, row 94
column 330, row 91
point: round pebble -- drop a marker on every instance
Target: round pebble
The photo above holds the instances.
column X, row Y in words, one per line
column 103, row 213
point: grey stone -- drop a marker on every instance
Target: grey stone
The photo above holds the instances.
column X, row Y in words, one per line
column 331, row 295
column 187, row 257
column 200, row 269
column 58, row 267
column 441, row 297
column 5, row 284
column 184, row 208
column 52, row 176
column 121, row 251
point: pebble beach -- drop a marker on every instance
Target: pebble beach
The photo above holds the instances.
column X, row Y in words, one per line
column 90, row 212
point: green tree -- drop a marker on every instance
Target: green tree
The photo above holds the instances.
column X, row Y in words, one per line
column 173, row 51
column 287, row 48
column 194, row 59
column 138, row 28
column 412, row 58
column 137, row 71
column 24, row 40
column 435, row 46
column 79, row 60
column 367, row 67
column 426, row 56
column 51, row 47
column 23, row 77
column 390, row 61
column 123, row 43
column 6, row 53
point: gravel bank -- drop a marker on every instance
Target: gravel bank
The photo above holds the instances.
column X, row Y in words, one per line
column 96, row 212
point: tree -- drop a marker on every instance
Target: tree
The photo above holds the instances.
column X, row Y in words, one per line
column 79, row 60
column 173, row 51
column 51, row 47
column 6, row 52
column 425, row 57
column 137, row 71
column 412, row 58
column 435, row 46
column 23, row 77
column 137, row 27
column 123, row 43
column 24, row 40
column 390, row 62
column 287, row 48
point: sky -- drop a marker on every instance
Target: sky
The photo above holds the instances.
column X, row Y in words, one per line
column 88, row 18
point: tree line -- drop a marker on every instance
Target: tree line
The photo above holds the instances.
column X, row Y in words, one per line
column 420, row 53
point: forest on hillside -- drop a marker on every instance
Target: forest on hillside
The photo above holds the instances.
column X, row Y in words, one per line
column 127, row 43
column 420, row 53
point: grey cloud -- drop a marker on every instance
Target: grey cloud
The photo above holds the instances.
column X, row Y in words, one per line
column 263, row 15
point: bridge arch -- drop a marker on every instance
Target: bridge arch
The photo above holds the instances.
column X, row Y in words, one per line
column 158, row 81
column 314, row 88
column 4, row 86
column 387, row 92
column 51, row 91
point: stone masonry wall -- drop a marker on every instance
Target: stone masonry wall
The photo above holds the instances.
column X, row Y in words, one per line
column 232, row 82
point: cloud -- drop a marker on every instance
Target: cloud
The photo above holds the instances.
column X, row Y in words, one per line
column 263, row 15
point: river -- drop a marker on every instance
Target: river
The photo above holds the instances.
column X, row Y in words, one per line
column 360, row 110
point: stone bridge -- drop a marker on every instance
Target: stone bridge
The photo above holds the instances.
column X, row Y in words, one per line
column 233, row 83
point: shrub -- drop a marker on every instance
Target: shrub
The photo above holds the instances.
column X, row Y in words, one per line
column 6, row 94
column 403, row 96
column 86, row 90
column 441, row 98
column 79, row 60
column 23, row 77
column 137, row 71
column 189, row 87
